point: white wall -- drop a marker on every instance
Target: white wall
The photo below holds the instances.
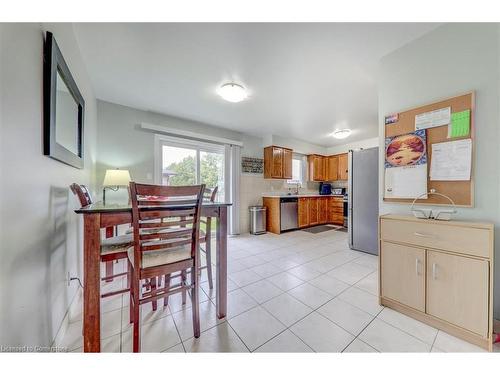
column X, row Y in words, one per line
column 121, row 143
column 40, row 235
column 452, row 60
column 365, row 143
column 296, row 145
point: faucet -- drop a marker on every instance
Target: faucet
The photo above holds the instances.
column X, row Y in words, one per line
column 297, row 185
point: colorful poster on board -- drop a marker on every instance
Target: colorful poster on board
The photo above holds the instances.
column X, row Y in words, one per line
column 407, row 149
column 406, row 165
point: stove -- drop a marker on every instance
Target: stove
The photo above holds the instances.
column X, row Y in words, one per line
column 346, row 208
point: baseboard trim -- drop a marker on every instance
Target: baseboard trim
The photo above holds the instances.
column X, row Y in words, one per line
column 485, row 343
column 496, row 326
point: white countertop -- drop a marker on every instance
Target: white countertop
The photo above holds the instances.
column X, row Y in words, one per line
column 284, row 195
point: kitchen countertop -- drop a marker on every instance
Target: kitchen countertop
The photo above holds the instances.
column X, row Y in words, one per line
column 278, row 195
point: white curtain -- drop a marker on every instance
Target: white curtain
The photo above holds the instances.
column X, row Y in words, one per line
column 233, row 154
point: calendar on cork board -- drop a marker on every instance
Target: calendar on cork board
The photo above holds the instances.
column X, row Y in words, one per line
column 444, row 128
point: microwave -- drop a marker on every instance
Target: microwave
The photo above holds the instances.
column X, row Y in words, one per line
column 338, row 191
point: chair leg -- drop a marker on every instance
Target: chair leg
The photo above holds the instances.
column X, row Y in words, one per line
column 153, row 293
column 195, row 301
column 136, row 313
column 208, row 257
column 167, row 287
column 183, row 282
column 131, row 292
column 110, row 232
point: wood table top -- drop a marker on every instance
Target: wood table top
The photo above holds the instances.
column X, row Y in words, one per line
column 100, row 207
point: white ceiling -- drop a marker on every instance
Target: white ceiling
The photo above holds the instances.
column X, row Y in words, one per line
column 305, row 80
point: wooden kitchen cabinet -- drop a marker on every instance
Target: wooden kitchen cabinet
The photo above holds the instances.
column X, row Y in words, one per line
column 403, row 279
column 332, row 168
column 457, row 290
column 277, row 162
column 287, row 163
column 336, row 210
column 327, row 168
column 313, row 211
column 303, row 212
column 317, row 166
column 441, row 273
column 323, row 210
column 273, row 218
column 342, row 167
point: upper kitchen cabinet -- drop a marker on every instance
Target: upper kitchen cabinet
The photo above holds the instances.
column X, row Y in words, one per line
column 317, row 170
column 277, row 162
column 342, row 167
column 332, row 168
column 327, row 168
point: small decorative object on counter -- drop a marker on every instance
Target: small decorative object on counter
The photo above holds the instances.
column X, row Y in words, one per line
column 421, row 213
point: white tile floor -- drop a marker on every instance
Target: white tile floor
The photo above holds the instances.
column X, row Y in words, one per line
column 297, row 292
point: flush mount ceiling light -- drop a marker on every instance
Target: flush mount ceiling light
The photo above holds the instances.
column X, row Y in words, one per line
column 232, row 92
column 341, row 133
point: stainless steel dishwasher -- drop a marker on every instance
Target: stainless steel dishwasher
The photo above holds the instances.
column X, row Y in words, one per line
column 289, row 213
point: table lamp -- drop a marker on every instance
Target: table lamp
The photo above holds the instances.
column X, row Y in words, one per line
column 114, row 179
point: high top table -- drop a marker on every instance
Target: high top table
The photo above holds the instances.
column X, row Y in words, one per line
column 99, row 215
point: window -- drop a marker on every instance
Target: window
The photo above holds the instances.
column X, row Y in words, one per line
column 186, row 162
column 298, row 164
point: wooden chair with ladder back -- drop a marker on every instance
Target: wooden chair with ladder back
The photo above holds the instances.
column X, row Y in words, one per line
column 205, row 238
column 166, row 228
column 112, row 248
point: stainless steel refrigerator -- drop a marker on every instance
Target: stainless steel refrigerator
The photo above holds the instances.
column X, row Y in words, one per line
column 362, row 215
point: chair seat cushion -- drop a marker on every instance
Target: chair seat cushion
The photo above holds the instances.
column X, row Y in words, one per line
column 154, row 258
column 116, row 244
column 203, row 235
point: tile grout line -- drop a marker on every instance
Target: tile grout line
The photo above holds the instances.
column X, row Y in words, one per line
column 365, row 327
column 409, row 334
column 314, row 310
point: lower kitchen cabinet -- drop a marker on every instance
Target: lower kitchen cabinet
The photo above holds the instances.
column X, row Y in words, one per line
column 313, row 211
column 425, row 275
column 303, row 212
column 457, row 290
column 403, row 279
column 336, row 210
column 323, row 210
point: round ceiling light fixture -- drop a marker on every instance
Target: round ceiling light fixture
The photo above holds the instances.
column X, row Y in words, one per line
column 341, row 133
column 232, row 92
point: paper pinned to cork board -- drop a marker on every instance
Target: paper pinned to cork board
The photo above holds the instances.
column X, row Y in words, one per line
column 451, row 161
column 432, row 119
column 406, row 165
column 406, row 182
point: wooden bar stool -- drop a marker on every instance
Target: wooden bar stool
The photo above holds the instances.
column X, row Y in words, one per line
column 206, row 237
column 173, row 247
column 112, row 248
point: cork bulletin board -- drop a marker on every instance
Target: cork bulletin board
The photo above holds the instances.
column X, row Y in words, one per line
column 462, row 192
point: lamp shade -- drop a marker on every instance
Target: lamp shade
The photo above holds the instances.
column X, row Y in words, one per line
column 116, row 177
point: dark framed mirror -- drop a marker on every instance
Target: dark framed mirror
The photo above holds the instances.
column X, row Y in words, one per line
column 63, row 108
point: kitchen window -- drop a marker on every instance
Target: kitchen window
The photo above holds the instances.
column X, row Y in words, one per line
column 298, row 169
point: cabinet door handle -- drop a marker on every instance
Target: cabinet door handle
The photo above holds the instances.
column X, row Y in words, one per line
column 416, row 266
column 434, row 271
column 418, row 234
